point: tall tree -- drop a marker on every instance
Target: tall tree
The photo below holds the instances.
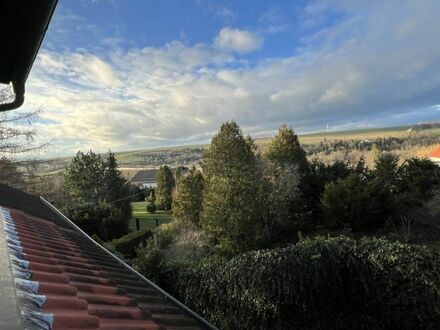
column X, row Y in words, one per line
column 85, row 177
column 96, row 187
column 285, row 166
column 286, row 149
column 117, row 187
column 386, row 169
column 282, row 206
column 165, row 184
column 232, row 197
column 151, row 202
column 187, row 204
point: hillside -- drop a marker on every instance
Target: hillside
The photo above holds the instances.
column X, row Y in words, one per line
column 130, row 162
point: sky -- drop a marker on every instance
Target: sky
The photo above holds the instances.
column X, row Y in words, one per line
column 136, row 74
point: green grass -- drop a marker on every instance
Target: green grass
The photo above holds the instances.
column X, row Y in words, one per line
column 147, row 220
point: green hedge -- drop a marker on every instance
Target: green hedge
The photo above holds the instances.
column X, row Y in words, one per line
column 325, row 283
column 128, row 244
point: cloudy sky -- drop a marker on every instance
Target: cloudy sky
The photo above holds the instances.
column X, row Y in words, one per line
column 132, row 74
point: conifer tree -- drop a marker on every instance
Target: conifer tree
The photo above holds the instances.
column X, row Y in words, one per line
column 117, row 188
column 165, row 184
column 286, row 149
column 187, row 204
column 232, row 197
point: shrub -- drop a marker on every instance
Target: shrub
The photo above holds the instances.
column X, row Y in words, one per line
column 357, row 203
column 128, row 244
column 102, row 219
column 148, row 261
column 333, row 283
column 151, row 203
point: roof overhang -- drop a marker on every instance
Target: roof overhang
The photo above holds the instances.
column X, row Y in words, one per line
column 23, row 24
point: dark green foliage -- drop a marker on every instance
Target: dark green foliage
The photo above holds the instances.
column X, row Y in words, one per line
column 84, row 178
column 187, row 204
column 386, row 169
column 232, row 198
column 315, row 181
column 148, row 261
column 419, row 177
column 284, row 169
column 282, row 202
column 285, row 149
column 334, row 283
column 357, row 203
column 102, row 219
column 165, row 184
column 151, row 202
column 128, row 244
column 98, row 193
column 116, row 187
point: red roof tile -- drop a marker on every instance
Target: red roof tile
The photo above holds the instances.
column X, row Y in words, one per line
column 435, row 153
column 81, row 286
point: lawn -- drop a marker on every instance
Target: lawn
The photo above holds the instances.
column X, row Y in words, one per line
column 147, row 220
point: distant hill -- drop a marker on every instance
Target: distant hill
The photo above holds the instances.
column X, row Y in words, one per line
column 132, row 161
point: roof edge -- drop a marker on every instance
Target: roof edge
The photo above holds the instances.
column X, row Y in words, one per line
column 10, row 315
column 165, row 294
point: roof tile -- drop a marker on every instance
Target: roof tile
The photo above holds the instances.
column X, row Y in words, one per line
column 78, row 286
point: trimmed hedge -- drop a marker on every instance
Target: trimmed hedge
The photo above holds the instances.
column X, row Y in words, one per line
column 324, row 283
column 128, row 244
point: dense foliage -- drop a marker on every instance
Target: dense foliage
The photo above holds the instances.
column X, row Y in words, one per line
column 128, row 244
column 97, row 190
column 334, row 283
column 357, row 203
column 285, row 149
column 102, row 219
column 165, row 184
column 231, row 197
column 151, row 202
column 187, row 204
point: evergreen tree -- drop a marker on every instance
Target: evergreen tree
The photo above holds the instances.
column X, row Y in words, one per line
column 232, row 198
column 284, row 169
column 84, row 178
column 187, row 204
column 95, row 184
column 151, row 202
column 286, row 149
column 357, row 203
column 386, row 169
column 165, row 184
column 116, row 188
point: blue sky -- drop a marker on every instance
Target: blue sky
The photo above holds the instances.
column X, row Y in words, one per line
column 132, row 74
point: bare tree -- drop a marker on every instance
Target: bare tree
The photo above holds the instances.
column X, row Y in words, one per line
column 17, row 137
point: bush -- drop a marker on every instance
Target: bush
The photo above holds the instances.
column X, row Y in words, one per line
column 148, row 261
column 151, row 203
column 128, row 244
column 357, row 203
column 334, row 283
column 103, row 220
column 177, row 241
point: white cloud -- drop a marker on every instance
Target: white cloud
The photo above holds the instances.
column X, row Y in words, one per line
column 235, row 40
column 379, row 69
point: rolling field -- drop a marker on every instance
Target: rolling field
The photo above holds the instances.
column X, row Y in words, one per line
column 147, row 220
column 132, row 161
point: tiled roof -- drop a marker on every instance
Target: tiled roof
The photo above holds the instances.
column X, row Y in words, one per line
column 435, row 153
column 65, row 281
column 145, row 176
